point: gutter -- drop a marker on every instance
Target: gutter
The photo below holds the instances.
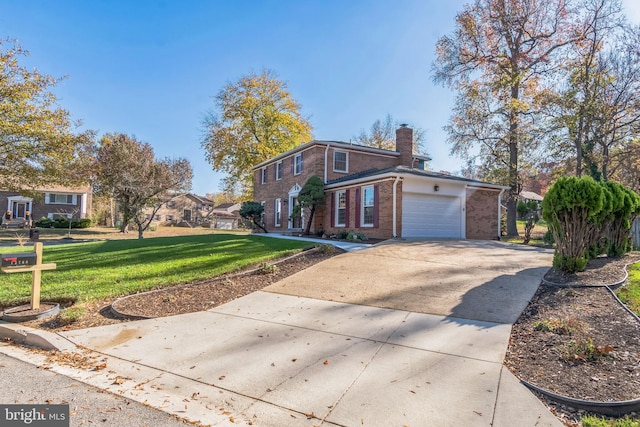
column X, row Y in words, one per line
column 326, row 154
column 395, row 214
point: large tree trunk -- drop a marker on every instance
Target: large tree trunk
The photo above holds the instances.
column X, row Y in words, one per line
column 514, row 190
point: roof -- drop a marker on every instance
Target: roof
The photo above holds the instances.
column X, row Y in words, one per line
column 403, row 170
column 338, row 144
column 225, row 205
column 530, row 195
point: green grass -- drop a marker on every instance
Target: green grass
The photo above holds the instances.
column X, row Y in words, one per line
column 107, row 269
column 630, row 293
column 595, row 421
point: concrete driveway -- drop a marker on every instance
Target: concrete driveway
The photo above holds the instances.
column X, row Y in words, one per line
column 468, row 279
column 405, row 333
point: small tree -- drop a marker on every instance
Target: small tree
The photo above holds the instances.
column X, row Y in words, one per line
column 253, row 211
column 569, row 208
column 129, row 173
column 311, row 195
column 529, row 212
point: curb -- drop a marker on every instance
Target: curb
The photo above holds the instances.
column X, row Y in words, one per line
column 614, row 408
column 35, row 337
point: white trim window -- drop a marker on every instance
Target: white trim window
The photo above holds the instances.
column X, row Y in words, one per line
column 368, row 201
column 340, row 161
column 169, row 217
column 341, row 208
column 279, row 170
column 278, row 213
column 263, row 179
column 59, row 199
column 297, row 164
column 262, row 214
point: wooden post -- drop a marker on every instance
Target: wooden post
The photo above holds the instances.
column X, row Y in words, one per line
column 36, row 271
column 37, row 277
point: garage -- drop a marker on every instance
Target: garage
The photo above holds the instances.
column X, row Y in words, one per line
column 434, row 216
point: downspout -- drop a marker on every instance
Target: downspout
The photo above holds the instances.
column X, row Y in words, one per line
column 326, row 155
column 395, row 214
column 500, row 214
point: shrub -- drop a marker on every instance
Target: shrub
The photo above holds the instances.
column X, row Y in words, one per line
column 326, row 249
column 548, row 238
column 342, row 234
column 44, row 222
column 569, row 208
column 583, row 351
column 623, row 214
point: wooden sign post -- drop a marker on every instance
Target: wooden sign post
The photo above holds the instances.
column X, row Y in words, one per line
column 36, row 271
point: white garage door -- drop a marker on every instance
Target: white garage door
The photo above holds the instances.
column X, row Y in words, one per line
column 426, row 215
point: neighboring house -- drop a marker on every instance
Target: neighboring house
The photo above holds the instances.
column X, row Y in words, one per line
column 185, row 209
column 226, row 216
column 527, row 196
column 379, row 193
column 47, row 202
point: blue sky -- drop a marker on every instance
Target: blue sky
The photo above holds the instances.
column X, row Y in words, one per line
column 152, row 68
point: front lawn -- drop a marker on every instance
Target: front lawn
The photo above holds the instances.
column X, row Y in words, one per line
column 630, row 292
column 108, row 269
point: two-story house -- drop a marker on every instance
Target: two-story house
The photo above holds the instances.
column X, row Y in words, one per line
column 375, row 192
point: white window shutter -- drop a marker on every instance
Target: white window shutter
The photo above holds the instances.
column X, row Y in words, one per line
column 46, row 198
column 74, row 199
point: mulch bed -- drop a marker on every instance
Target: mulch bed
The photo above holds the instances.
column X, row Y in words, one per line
column 189, row 298
column 578, row 341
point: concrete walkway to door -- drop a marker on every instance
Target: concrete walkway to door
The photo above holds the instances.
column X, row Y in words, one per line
column 470, row 279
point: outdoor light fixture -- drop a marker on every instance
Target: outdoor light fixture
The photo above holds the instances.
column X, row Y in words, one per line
column 436, row 188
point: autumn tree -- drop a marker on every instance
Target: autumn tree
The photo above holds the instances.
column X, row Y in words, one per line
column 382, row 134
column 595, row 110
column 37, row 143
column 495, row 60
column 255, row 118
column 129, row 173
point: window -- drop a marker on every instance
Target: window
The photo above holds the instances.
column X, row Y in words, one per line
column 264, row 175
column 367, row 206
column 297, row 162
column 169, row 217
column 341, row 208
column 278, row 213
column 187, row 214
column 279, row 171
column 171, row 204
column 340, row 161
column 61, row 199
column 156, row 217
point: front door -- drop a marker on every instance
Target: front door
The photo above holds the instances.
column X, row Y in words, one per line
column 297, row 220
column 187, row 215
column 19, row 210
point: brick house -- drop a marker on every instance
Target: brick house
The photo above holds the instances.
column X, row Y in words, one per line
column 183, row 209
column 379, row 193
column 47, row 202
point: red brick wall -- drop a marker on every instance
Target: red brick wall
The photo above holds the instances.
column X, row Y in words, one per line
column 313, row 163
column 482, row 214
column 384, row 229
column 358, row 162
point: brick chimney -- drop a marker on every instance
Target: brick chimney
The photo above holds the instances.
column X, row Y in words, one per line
column 404, row 145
